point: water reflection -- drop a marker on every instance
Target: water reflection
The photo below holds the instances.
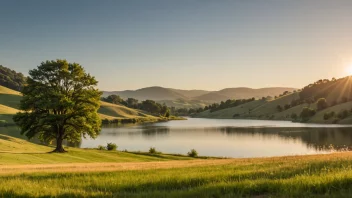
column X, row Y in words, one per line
column 317, row 138
column 230, row 138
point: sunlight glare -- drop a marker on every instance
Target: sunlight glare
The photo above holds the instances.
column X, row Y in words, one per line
column 349, row 70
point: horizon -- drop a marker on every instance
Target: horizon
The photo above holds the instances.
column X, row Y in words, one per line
column 196, row 89
column 189, row 45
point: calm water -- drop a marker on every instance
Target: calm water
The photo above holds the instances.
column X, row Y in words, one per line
column 230, row 138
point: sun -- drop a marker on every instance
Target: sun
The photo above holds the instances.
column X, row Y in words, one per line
column 349, row 70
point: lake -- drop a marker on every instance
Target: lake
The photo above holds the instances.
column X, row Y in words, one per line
column 227, row 137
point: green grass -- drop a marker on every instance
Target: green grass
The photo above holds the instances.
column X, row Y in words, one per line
column 229, row 112
column 119, row 111
column 307, row 176
column 18, row 151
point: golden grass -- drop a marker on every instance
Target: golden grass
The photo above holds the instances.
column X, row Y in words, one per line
column 4, row 90
column 119, row 111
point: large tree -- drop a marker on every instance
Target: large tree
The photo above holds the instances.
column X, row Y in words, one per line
column 60, row 101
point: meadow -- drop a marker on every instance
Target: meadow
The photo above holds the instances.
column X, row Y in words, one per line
column 28, row 169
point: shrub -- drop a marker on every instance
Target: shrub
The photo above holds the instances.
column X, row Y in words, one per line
column 193, row 153
column 342, row 114
column 336, row 120
column 287, row 106
column 322, row 104
column 3, row 123
column 279, row 108
column 152, row 150
column 111, row 146
column 100, row 147
column 327, row 116
column 307, row 113
column 294, row 116
column 236, row 115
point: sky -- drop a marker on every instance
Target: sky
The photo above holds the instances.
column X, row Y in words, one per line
column 185, row 44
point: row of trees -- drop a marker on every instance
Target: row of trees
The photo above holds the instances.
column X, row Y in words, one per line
column 149, row 106
column 227, row 104
column 11, row 79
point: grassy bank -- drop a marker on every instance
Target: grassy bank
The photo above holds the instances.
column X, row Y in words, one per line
column 14, row 151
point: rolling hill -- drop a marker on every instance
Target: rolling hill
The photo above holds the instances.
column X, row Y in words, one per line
column 169, row 95
column 338, row 94
column 243, row 93
column 10, row 99
column 151, row 93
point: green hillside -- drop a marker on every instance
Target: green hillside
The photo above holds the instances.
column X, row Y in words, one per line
column 9, row 104
column 113, row 111
column 180, row 103
column 261, row 109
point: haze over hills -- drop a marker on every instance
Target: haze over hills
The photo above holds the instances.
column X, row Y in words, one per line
column 162, row 94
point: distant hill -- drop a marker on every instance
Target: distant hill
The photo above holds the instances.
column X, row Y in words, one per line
column 243, row 93
column 191, row 93
column 169, row 95
column 151, row 93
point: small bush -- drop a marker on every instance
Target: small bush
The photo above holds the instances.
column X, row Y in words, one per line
column 3, row 123
column 343, row 114
column 111, row 146
column 336, row 120
column 236, row 115
column 322, row 104
column 152, row 150
column 327, row 116
column 307, row 113
column 294, row 116
column 100, row 147
column 193, row 153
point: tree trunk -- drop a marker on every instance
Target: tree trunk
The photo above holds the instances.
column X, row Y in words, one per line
column 59, row 139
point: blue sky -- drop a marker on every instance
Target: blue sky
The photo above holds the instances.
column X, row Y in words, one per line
column 187, row 44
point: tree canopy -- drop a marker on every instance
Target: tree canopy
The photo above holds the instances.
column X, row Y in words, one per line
column 60, row 101
column 11, row 79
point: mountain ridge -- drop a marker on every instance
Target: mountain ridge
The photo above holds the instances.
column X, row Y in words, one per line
column 158, row 93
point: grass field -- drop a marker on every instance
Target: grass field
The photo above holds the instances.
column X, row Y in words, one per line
column 17, row 151
column 28, row 170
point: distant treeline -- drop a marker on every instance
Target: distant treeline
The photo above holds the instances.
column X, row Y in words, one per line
column 11, row 79
column 149, row 106
column 213, row 107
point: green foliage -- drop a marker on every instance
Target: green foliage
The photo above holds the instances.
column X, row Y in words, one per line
column 307, row 113
column 228, row 104
column 59, row 102
column 152, row 150
column 100, row 147
column 336, row 120
column 111, row 146
column 11, row 79
column 279, row 108
column 343, row 114
column 329, row 115
column 294, row 116
column 132, row 103
column 3, row 123
column 322, row 104
column 193, row 153
column 114, row 99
